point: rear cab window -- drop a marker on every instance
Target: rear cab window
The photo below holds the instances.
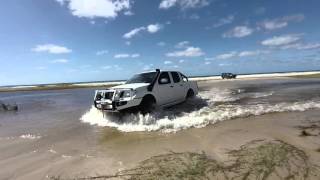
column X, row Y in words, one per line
column 175, row 77
column 184, row 78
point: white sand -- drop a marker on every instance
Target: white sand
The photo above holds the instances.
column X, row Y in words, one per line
column 251, row 76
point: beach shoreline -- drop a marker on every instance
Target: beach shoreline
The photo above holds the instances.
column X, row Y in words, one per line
column 107, row 84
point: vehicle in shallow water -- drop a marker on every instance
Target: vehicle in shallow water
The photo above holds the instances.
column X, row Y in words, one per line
column 228, row 76
column 145, row 91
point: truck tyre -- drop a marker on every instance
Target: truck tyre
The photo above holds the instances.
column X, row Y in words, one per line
column 147, row 105
column 190, row 94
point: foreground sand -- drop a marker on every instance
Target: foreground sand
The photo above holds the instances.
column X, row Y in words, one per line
column 269, row 145
column 275, row 146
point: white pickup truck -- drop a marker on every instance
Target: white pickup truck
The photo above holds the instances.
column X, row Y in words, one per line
column 145, row 91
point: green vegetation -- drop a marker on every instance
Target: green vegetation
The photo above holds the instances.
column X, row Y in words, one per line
column 259, row 160
column 316, row 75
column 270, row 160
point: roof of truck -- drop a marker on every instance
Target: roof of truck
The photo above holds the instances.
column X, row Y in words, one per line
column 160, row 71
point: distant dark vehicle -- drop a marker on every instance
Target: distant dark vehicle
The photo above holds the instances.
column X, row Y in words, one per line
column 228, row 76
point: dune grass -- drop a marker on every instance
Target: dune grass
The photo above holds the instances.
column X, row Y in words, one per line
column 316, row 75
column 258, row 160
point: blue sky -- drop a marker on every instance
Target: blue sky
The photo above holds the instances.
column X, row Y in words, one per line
column 51, row 41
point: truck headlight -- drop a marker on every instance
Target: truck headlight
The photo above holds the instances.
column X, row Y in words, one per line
column 126, row 94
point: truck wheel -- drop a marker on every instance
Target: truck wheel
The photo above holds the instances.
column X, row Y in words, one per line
column 190, row 94
column 147, row 105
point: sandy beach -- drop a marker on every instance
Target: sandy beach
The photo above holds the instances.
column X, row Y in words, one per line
column 249, row 128
column 113, row 83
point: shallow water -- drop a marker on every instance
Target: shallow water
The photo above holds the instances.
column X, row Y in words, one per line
column 58, row 132
column 217, row 104
column 42, row 110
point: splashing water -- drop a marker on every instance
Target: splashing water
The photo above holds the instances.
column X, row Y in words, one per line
column 208, row 108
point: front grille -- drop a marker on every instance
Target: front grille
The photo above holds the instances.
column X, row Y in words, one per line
column 108, row 95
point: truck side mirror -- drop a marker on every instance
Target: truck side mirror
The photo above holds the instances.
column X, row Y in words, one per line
column 98, row 96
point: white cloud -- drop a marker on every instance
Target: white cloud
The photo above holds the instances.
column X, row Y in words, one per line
column 61, row 2
column 128, row 43
column 114, row 67
column 238, row 32
column 133, row 32
column 233, row 54
column 279, row 23
column 281, row 40
column 118, row 56
column 290, row 41
column 161, row 43
column 41, row 68
column 147, row 67
column 60, row 61
column 223, row 21
column 188, row 52
column 227, row 55
column 294, row 18
column 300, row 46
column 117, row 67
column 102, row 52
column 51, row 48
column 121, row 56
column 165, row 4
column 95, row 71
column 207, row 63
column 106, row 67
column 153, row 28
column 181, row 61
column 128, row 13
column 251, row 53
column 135, row 55
column 272, row 25
column 224, row 64
column 96, row 8
column 194, row 17
column 167, row 62
column 183, row 4
column 182, row 44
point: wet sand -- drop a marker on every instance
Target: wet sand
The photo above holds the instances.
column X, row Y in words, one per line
column 46, row 137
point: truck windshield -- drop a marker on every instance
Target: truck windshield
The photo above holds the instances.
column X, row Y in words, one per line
column 142, row 78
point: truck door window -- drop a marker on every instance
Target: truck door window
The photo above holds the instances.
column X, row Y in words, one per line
column 162, row 77
column 175, row 77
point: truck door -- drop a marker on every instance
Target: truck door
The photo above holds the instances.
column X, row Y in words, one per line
column 178, row 86
column 164, row 90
